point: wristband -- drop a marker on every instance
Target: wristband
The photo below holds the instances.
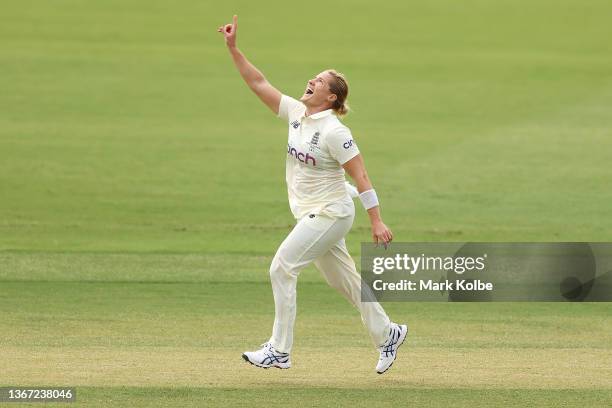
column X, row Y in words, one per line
column 369, row 199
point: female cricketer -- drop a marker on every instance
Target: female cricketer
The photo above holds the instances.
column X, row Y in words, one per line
column 319, row 151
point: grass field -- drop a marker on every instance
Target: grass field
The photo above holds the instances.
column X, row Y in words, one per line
column 142, row 196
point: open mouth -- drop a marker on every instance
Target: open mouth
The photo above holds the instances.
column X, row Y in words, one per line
column 309, row 91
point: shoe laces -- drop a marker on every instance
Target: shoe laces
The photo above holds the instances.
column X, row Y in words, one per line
column 270, row 351
column 388, row 347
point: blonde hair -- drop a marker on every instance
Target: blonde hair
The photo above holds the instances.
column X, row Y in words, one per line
column 339, row 87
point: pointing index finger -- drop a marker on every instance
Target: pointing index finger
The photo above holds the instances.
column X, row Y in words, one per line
column 235, row 21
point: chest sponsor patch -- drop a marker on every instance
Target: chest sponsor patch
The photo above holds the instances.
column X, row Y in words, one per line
column 305, row 158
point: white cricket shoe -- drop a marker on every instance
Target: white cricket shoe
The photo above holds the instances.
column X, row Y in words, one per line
column 388, row 351
column 267, row 357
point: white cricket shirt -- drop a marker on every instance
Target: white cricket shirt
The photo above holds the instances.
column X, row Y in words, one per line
column 317, row 147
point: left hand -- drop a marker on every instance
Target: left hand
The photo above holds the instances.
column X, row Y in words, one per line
column 381, row 234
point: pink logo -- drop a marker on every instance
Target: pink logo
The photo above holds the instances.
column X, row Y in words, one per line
column 303, row 157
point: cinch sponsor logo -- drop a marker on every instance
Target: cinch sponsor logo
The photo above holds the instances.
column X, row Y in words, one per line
column 304, row 158
column 348, row 144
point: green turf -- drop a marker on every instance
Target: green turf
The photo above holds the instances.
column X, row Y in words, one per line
column 155, row 339
column 198, row 397
column 142, row 195
column 125, row 128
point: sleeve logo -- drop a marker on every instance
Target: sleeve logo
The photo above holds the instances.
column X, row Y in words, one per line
column 348, row 144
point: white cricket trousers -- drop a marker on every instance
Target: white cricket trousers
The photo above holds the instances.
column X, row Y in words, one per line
column 319, row 239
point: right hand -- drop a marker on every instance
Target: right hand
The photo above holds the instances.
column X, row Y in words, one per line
column 229, row 32
column 381, row 234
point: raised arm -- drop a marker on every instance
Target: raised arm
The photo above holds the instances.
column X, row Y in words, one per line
column 251, row 75
column 355, row 167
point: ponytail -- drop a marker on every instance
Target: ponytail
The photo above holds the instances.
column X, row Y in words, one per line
column 339, row 87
